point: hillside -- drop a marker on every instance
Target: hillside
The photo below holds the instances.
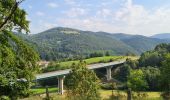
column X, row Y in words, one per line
column 140, row 43
column 65, row 42
column 57, row 43
column 162, row 36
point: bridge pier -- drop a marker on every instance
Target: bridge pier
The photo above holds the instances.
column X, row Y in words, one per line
column 60, row 84
column 109, row 73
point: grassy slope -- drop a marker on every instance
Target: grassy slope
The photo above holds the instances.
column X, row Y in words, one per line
column 105, row 94
column 93, row 60
column 67, row 64
column 43, row 90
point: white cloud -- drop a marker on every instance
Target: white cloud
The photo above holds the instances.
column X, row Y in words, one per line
column 91, row 24
column 139, row 20
column 39, row 13
column 52, row 5
column 130, row 18
column 70, row 2
column 76, row 12
column 104, row 12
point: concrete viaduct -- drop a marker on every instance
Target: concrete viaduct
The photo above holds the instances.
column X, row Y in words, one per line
column 61, row 73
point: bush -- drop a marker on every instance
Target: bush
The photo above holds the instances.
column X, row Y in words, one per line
column 4, row 98
column 52, row 68
column 138, row 95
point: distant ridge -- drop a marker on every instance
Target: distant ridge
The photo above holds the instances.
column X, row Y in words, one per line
column 61, row 42
column 162, row 36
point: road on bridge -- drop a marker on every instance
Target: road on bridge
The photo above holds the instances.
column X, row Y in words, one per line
column 66, row 71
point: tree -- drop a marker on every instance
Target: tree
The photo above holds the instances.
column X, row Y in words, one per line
column 123, row 73
column 152, row 75
column 18, row 61
column 82, row 83
column 107, row 53
column 150, row 58
column 165, row 76
column 136, row 80
column 96, row 54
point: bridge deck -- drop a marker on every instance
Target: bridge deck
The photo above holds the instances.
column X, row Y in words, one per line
column 64, row 72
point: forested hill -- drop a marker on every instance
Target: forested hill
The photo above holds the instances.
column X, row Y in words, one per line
column 162, row 36
column 57, row 43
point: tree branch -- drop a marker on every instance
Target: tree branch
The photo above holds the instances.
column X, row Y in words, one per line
column 14, row 8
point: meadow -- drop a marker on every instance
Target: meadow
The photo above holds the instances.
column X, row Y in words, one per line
column 39, row 94
column 53, row 66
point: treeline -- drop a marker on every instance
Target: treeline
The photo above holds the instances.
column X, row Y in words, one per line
column 149, row 72
column 99, row 54
column 68, row 57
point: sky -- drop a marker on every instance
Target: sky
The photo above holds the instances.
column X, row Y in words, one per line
column 143, row 17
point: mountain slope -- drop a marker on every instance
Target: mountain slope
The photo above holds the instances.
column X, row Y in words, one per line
column 140, row 43
column 162, row 36
column 57, row 43
column 66, row 43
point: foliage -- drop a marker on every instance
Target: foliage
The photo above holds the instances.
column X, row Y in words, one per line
column 150, row 58
column 154, row 57
column 150, row 64
column 67, row 64
column 152, row 75
column 96, row 54
column 12, row 17
column 79, row 85
column 17, row 60
column 165, row 74
column 107, row 53
column 56, row 44
column 132, row 63
column 136, row 80
column 123, row 73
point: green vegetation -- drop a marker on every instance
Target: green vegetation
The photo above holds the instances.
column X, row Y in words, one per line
column 18, row 61
column 152, row 76
column 69, row 44
column 65, row 47
column 65, row 65
column 79, row 85
column 136, row 80
column 165, row 79
column 151, row 71
column 54, row 44
column 42, row 90
column 105, row 95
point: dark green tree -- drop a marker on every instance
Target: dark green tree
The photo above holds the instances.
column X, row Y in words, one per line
column 150, row 58
column 82, row 83
column 107, row 53
column 123, row 73
column 165, row 76
column 152, row 75
column 18, row 61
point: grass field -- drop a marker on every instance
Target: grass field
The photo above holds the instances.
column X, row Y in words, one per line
column 67, row 64
column 105, row 94
column 43, row 90
column 93, row 60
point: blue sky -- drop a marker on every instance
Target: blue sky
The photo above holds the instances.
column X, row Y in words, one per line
column 145, row 17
